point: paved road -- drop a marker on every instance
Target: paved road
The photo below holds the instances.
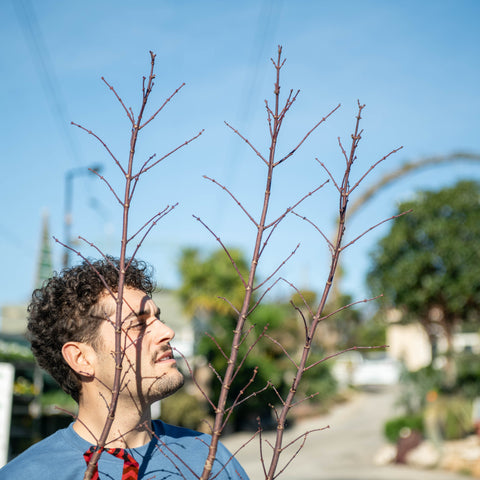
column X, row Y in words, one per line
column 344, row 451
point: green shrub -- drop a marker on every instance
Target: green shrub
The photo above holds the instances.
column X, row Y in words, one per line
column 393, row 427
column 453, row 415
column 458, row 421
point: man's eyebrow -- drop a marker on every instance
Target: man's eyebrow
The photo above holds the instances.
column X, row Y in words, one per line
column 143, row 312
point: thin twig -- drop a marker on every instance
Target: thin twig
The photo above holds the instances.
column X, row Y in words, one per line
column 146, row 169
column 152, row 225
column 235, row 453
column 107, row 183
column 194, row 379
column 289, row 209
column 85, row 259
column 372, row 167
column 233, row 197
column 213, row 369
column 104, row 145
column 307, row 135
column 304, row 436
column 336, row 354
column 329, row 243
column 344, row 307
column 240, row 364
column 161, row 107
column 129, row 113
column 270, row 233
column 302, row 316
column 161, row 214
column 247, row 142
column 228, row 411
column 298, row 402
column 276, row 342
column 253, row 394
column 247, row 333
column 226, row 300
column 214, row 340
column 278, row 268
column 375, row 226
column 329, row 174
column 310, row 311
column 218, row 239
column 255, row 305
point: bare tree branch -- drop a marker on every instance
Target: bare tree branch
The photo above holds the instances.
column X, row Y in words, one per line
column 310, row 311
column 104, row 145
column 234, row 198
column 234, row 308
column 162, row 106
column 276, row 342
column 375, row 226
column 344, row 307
column 255, row 305
column 376, row 347
column 289, row 209
column 218, row 239
column 329, row 174
column 247, row 142
column 129, row 113
column 372, row 167
column 307, row 135
column 329, row 243
column 192, row 376
column 146, row 169
column 277, row 269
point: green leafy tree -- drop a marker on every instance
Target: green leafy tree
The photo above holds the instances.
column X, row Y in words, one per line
column 209, row 285
column 210, row 289
column 428, row 265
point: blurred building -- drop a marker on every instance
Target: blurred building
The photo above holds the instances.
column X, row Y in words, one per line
column 410, row 344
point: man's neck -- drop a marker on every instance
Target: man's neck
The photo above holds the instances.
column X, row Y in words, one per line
column 131, row 427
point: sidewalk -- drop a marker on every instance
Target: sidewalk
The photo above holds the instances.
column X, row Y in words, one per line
column 344, row 451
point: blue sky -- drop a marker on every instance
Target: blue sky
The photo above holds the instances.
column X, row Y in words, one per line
column 414, row 64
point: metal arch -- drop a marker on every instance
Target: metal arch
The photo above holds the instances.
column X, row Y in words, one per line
column 404, row 170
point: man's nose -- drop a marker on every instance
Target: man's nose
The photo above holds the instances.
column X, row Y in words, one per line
column 161, row 332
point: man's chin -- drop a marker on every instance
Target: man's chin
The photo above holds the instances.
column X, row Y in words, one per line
column 168, row 385
column 175, row 385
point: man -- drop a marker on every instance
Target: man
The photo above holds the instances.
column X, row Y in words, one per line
column 72, row 331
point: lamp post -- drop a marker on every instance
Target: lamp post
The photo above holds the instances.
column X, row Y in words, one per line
column 69, row 177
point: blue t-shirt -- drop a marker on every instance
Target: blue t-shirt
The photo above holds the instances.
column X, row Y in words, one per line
column 173, row 453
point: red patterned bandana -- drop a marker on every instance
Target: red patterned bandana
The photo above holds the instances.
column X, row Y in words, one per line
column 130, row 465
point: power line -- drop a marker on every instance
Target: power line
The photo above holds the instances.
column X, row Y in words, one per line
column 44, row 66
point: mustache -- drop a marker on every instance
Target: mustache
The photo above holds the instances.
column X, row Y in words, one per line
column 162, row 351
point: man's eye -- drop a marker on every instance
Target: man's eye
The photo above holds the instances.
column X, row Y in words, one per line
column 136, row 325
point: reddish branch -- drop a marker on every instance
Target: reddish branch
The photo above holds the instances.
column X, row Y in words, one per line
column 289, row 400
column 336, row 249
column 131, row 179
column 275, row 116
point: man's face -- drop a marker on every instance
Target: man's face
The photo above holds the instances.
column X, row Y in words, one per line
column 149, row 370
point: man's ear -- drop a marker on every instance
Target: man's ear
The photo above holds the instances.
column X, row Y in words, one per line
column 79, row 357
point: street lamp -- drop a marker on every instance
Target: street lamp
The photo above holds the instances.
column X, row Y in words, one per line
column 69, row 176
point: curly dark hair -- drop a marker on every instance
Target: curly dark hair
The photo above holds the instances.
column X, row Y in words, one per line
column 64, row 309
